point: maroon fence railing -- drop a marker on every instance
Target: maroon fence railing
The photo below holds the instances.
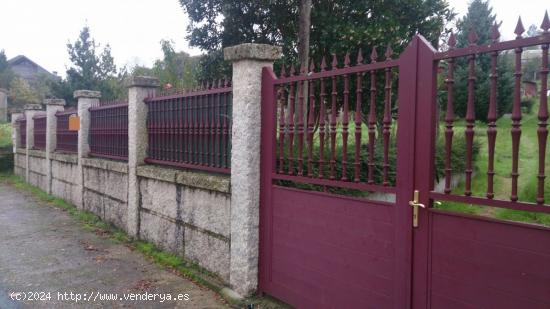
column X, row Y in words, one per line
column 513, row 129
column 67, row 141
column 22, row 122
column 323, row 138
column 40, row 131
column 109, row 130
column 192, row 129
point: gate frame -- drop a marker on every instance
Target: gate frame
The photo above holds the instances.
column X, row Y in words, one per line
column 415, row 63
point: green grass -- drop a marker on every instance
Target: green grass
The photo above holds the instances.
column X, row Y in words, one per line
column 528, row 170
column 5, row 135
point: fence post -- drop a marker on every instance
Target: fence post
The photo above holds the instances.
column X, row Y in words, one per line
column 3, row 105
column 16, row 134
column 86, row 98
column 248, row 61
column 139, row 88
column 52, row 107
column 30, row 111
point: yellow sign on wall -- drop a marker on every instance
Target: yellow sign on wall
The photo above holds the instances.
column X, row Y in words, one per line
column 74, row 123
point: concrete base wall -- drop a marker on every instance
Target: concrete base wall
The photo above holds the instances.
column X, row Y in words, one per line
column 20, row 162
column 37, row 169
column 106, row 189
column 181, row 213
column 65, row 176
column 187, row 213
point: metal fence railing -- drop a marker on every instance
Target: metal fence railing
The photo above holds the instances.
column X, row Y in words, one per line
column 109, row 130
column 39, row 132
column 67, row 141
column 192, row 129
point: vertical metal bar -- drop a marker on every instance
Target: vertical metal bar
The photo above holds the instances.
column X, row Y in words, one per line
column 357, row 118
column 491, row 125
column 333, row 113
column 449, row 120
column 310, row 123
column 280, row 96
column 301, row 90
column 516, row 124
column 542, row 131
column 291, row 128
column 322, row 116
column 386, row 126
column 470, row 119
column 372, row 119
column 345, row 122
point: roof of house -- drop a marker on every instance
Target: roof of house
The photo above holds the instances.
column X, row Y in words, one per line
column 20, row 58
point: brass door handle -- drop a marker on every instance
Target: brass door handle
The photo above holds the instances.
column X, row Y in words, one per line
column 415, row 204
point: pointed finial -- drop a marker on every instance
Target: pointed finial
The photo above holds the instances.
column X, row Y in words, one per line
column 283, row 73
column 311, row 66
column 389, row 52
column 545, row 23
column 452, row 41
column 334, row 61
column 472, row 36
column 519, row 29
column 292, row 70
column 373, row 55
column 323, row 64
column 495, row 34
column 360, row 56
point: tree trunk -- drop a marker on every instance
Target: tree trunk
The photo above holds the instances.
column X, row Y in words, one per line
column 304, row 26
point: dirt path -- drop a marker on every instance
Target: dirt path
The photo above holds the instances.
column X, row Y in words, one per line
column 44, row 250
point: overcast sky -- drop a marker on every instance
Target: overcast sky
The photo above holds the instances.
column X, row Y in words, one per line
column 41, row 29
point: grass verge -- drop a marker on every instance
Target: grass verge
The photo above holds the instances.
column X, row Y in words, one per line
column 176, row 264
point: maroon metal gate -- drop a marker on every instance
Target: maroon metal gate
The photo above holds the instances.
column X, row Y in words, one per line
column 322, row 248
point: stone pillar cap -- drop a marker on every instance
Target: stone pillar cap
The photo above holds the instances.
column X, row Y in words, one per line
column 252, row 51
column 87, row 94
column 31, row 107
column 143, row 81
column 4, row 90
column 59, row 102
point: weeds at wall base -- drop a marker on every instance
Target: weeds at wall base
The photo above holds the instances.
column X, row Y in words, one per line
column 176, row 264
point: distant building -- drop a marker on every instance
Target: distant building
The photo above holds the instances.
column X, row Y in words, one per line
column 529, row 89
column 29, row 70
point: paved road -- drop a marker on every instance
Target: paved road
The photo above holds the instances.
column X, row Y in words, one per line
column 44, row 250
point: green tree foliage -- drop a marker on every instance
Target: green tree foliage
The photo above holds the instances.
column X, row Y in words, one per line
column 6, row 75
column 175, row 68
column 480, row 18
column 337, row 26
column 22, row 93
column 91, row 68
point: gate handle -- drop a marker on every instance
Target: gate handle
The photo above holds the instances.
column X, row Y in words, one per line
column 415, row 204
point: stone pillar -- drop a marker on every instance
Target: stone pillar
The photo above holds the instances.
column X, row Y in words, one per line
column 52, row 107
column 16, row 134
column 30, row 111
column 248, row 61
column 139, row 88
column 3, row 105
column 86, row 98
